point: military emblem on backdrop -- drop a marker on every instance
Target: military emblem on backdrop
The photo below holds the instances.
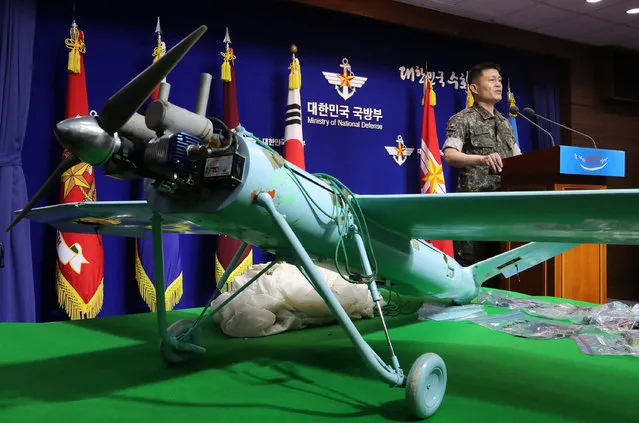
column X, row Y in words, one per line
column 345, row 83
column 400, row 152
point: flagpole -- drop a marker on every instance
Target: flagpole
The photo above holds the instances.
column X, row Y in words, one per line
column 144, row 266
column 293, row 137
column 228, row 246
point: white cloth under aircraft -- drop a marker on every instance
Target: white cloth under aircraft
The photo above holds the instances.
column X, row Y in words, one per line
column 282, row 299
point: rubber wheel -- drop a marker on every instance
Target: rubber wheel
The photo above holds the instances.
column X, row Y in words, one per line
column 426, row 385
column 176, row 331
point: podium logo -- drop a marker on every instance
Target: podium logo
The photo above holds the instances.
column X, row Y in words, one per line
column 345, row 83
column 591, row 162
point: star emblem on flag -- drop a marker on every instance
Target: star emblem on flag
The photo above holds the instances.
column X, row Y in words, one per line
column 74, row 177
column 434, row 176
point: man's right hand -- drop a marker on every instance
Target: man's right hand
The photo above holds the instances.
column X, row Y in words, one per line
column 493, row 160
column 454, row 157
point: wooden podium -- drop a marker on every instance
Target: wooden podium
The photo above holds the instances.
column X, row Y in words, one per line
column 580, row 273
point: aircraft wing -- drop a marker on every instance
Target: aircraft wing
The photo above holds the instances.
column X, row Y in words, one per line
column 118, row 218
column 587, row 217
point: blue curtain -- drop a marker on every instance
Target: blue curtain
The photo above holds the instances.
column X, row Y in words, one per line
column 17, row 298
column 545, row 97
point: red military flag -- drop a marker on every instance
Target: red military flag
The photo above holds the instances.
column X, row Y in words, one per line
column 144, row 270
column 227, row 246
column 431, row 171
column 293, row 138
column 80, row 257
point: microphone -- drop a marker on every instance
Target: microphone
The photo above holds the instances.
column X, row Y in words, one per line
column 515, row 111
column 531, row 113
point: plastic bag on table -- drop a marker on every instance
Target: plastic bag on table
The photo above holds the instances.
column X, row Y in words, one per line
column 520, row 324
column 601, row 343
column 495, row 298
column 437, row 311
column 505, row 300
column 632, row 337
column 615, row 317
column 537, row 308
column 561, row 311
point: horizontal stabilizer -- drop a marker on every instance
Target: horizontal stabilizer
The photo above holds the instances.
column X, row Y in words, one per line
column 517, row 260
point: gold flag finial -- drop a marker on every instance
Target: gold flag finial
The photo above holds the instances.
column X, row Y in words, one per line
column 228, row 58
column 160, row 49
column 295, row 76
column 76, row 44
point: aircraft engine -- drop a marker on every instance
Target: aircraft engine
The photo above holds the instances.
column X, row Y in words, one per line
column 179, row 163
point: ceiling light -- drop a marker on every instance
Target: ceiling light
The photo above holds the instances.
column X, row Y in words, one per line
column 593, row 1
column 633, row 11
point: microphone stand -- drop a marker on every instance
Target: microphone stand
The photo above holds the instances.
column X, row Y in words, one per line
column 552, row 140
column 570, row 129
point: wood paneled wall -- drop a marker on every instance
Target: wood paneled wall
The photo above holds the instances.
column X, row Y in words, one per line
column 614, row 126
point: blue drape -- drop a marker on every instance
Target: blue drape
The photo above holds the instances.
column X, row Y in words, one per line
column 545, row 97
column 17, row 298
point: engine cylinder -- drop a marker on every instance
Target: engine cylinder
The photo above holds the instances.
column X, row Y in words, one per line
column 163, row 116
column 135, row 129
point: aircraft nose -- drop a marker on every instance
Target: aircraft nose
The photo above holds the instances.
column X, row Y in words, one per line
column 64, row 133
column 84, row 138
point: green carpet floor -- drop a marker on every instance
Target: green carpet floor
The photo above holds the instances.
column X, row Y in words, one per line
column 109, row 370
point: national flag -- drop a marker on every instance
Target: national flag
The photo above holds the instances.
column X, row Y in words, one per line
column 227, row 246
column 293, row 138
column 511, row 117
column 80, row 257
column 431, row 170
column 144, row 270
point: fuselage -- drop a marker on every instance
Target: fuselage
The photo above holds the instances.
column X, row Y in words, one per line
column 309, row 205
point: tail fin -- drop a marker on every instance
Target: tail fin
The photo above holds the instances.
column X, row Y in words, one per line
column 515, row 261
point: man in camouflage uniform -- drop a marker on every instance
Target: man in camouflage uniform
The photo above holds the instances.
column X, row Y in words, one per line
column 477, row 139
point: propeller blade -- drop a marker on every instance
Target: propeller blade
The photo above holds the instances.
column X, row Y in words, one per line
column 123, row 104
column 66, row 164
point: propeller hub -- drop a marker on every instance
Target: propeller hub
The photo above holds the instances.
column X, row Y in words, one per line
column 84, row 138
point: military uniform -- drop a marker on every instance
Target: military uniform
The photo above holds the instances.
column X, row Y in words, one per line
column 475, row 131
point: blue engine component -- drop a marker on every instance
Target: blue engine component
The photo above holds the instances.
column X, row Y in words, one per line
column 167, row 155
column 176, row 154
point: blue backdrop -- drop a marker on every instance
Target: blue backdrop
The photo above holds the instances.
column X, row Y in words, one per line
column 120, row 40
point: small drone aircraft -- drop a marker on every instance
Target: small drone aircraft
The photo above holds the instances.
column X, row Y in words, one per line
column 205, row 178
